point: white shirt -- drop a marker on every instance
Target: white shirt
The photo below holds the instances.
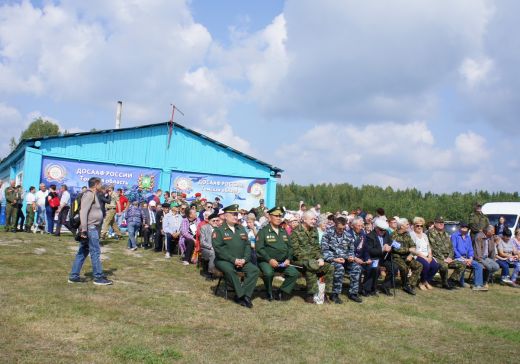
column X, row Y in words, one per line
column 65, row 198
column 30, row 198
column 421, row 244
column 40, row 198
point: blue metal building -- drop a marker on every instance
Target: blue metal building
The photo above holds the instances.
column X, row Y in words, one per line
column 144, row 157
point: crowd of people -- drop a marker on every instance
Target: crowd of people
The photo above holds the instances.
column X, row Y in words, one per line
column 377, row 252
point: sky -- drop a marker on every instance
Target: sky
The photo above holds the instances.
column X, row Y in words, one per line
column 422, row 94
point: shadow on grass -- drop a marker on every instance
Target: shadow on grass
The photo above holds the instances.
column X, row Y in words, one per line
column 107, row 272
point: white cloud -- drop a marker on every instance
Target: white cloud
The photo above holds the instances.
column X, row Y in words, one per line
column 471, row 148
column 475, row 71
column 386, row 154
column 352, row 60
column 226, row 135
column 10, row 120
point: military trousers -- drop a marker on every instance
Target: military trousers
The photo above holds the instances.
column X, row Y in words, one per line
column 311, row 278
column 458, row 268
column 354, row 271
column 230, row 273
column 110, row 221
column 29, row 221
column 11, row 216
column 290, row 274
column 405, row 266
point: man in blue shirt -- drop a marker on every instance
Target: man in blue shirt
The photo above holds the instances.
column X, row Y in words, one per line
column 463, row 252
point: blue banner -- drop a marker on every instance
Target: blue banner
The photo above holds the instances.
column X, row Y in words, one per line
column 137, row 183
column 245, row 192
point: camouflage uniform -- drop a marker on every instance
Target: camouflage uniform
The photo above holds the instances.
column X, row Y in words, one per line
column 442, row 248
column 477, row 222
column 335, row 246
column 11, row 208
column 307, row 251
column 400, row 255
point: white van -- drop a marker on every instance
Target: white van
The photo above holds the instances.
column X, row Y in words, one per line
column 510, row 211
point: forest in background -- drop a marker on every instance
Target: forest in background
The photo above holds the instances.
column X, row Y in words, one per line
column 406, row 203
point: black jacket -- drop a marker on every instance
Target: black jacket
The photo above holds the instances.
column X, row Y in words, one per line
column 372, row 246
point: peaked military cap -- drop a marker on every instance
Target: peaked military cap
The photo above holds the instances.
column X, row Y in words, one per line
column 231, row 208
column 276, row 211
column 439, row 219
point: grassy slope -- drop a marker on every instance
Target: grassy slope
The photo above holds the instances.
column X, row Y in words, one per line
column 160, row 311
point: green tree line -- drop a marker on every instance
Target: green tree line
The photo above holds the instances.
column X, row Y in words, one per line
column 406, row 203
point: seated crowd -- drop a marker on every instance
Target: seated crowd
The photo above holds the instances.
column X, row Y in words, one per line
column 377, row 252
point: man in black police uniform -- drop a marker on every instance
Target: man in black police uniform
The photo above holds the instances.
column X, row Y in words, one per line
column 274, row 252
column 233, row 254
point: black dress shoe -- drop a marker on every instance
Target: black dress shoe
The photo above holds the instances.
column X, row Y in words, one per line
column 270, row 297
column 386, row 291
column 447, row 286
column 408, row 289
column 454, row 284
column 247, row 302
column 240, row 301
column 355, row 298
column 364, row 293
column 335, row 298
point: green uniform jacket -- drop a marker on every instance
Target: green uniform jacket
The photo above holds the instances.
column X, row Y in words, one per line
column 11, row 195
column 478, row 222
column 406, row 243
column 440, row 242
column 230, row 245
column 272, row 245
column 305, row 244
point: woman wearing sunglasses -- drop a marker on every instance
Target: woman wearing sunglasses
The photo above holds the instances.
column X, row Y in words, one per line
column 423, row 253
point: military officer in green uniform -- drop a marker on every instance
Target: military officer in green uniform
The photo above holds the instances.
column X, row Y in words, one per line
column 307, row 253
column 403, row 256
column 477, row 221
column 274, row 253
column 442, row 251
column 11, row 207
column 260, row 210
column 233, row 254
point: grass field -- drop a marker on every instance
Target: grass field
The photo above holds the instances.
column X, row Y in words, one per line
column 159, row 311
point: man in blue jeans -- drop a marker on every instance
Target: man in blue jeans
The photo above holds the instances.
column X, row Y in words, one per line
column 463, row 252
column 91, row 218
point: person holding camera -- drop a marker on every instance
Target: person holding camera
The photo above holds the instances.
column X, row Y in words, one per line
column 91, row 218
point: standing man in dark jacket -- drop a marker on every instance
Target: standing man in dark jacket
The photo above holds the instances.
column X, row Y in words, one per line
column 378, row 248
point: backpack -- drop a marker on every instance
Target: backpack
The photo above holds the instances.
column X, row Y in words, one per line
column 75, row 207
column 54, row 202
column 74, row 217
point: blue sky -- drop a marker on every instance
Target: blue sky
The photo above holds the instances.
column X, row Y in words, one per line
column 422, row 94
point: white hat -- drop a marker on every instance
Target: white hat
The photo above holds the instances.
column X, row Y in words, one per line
column 152, row 203
column 381, row 224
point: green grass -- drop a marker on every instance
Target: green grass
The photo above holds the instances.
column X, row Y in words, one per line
column 159, row 311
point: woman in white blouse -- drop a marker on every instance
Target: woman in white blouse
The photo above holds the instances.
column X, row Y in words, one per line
column 423, row 253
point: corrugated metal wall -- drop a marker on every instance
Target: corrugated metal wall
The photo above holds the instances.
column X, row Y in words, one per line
column 147, row 147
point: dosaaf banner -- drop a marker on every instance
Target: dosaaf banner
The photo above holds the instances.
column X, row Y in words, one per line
column 243, row 191
column 76, row 175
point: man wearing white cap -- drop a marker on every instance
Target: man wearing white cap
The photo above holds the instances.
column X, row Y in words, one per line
column 378, row 247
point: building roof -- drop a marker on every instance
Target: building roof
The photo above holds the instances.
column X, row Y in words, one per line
column 22, row 144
